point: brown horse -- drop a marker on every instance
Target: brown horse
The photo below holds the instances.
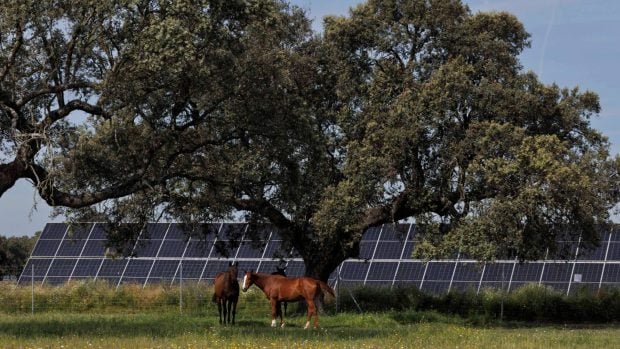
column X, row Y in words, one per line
column 226, row 293
column 278, row 288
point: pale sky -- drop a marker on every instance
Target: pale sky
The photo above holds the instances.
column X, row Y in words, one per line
column 574, row 43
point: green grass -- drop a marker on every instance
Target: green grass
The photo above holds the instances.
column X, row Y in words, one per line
column 94, row 315
column 381, row 330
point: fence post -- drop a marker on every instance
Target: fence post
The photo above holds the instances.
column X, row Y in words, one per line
column 337, row 288
column 32, row 292
column 181, row 287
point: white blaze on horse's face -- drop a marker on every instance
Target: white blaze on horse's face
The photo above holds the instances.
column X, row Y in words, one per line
column 245, row 282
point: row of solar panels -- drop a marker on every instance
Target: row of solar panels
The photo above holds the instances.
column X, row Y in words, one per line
column 391, row 241
column 163, row 253
column 434, row 276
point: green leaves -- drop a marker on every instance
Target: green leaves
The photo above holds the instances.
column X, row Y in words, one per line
column 210, row 109
column 440, row 106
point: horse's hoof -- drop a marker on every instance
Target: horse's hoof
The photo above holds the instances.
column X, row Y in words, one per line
column 307, row 325
column 282, row 326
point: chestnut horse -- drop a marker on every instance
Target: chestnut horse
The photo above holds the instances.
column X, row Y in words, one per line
column 278, row 288
column 226, row 293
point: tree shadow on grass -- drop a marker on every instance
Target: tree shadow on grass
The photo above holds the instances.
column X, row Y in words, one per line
column 167, row 326
column 482, row 321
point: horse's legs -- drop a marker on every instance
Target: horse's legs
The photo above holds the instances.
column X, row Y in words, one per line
column 279, row 313
column 312, row 311
column 234, row 310
column 227, row 304
column 219, row 309
column 274, row 311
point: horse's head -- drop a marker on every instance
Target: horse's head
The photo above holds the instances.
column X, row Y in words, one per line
column 248, row 280
column 232, row 269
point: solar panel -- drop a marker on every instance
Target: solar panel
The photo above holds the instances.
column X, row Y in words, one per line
column 98, row 232
column 468, row 271
column 163, row 270
column 169, row 252
column 367, row 247
column 191, row 269
column 389, row 250
column 410, row 272
column 557, row 272
column 94, row 248
column 527, row 272
column 440, row 271
column 295, row 269
column 354, row 271
column 249, row 249
column 53, row 231
column 71, row 247
column 61, row 268
column 45, row 248
column 613, row 253
column 372, row 234
column 611, row 274
column 381, row 272
column 497, row 272
column 587, row 272
column 86, row 268
column 172, row 248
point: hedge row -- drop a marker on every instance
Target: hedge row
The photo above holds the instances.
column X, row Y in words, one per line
column 528, row 303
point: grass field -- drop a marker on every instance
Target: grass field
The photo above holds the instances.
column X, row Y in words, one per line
column 94, row 315
column 384, row 330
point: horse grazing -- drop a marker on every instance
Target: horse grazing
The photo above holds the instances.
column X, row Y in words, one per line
column 226, row 293
column 280, row 271
column 278, row 289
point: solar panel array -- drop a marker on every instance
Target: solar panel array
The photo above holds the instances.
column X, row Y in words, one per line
column 164, row 253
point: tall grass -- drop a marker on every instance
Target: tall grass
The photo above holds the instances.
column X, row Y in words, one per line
column 528, row 303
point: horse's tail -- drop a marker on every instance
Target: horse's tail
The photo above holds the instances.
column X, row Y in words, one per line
column 214, row 298
column 325, row 287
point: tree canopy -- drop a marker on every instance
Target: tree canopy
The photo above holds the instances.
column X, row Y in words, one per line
column 135, row 110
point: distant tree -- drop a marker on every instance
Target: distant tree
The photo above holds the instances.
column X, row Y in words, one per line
column 14, row 253
column 200, row 110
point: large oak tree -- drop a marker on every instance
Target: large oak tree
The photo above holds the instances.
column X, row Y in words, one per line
column 206, row 110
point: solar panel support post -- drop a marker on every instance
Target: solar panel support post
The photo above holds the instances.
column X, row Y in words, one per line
column 600, row 282
column 512, row 273
column 458, row 258
column 484, row 267
column 374, row 252
column 572, row 272
column 542, row 271
column 402, row 254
